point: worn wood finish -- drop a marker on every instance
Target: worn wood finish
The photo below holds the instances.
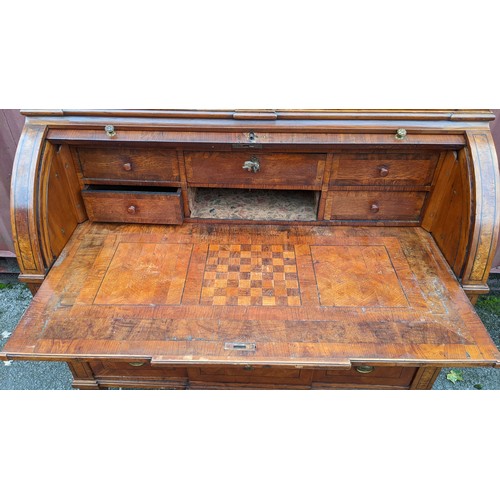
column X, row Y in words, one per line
column 253, row 304
column 413, row 169
column 61, row 214
column 374, row 205
column 450, row 200
column 485, row 180
column 279, row 169
column 387, row 376
column 129, row 164
column 134, row 207
column 87, row 309
column 25, row 202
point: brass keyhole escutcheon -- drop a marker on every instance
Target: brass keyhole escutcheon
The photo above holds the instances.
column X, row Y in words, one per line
column 252, row 165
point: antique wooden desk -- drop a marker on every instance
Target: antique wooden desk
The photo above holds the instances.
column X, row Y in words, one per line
column 276, row 249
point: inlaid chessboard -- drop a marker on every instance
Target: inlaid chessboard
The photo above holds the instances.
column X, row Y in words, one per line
column 256, row 275
column 299, row 294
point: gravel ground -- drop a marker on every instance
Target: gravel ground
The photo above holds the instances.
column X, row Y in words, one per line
column 15, row 298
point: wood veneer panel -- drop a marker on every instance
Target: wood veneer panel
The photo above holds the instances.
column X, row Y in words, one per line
column 222, row 168
column 438, row 325
column 129, row 164
column 414, row 169
column 134, row 207
column 357, row 276
column 374, row 205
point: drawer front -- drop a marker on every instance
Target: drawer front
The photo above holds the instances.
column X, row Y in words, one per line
column 250, row 375
column 374, row 205
column 394, row 376
column 129, row 164
column 134, row 207
column 411, row 169
column 224, row 168
column 114, row 369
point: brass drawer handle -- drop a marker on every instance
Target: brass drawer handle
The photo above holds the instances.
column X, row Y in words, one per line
column 401, row 134
column 364, row 369
column 132, row 209
column 137, row 363
column 383, row 171
column 252, row 165
column 127, row 167
column 110, row 130
column 374, row 208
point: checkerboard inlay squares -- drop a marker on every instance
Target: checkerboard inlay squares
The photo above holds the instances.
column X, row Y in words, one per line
column 250, row 275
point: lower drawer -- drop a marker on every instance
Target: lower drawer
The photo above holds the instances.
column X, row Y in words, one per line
column 160, row 206
column 392, row 376
column 109, row 373
column 123, row 373
column 250, row 375
column 374, row 205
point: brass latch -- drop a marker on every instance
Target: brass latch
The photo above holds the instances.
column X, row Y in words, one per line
column 240, row 346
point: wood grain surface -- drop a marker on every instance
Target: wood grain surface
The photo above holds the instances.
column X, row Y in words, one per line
column 128, row 291
column 385, row 168
column 134, row 207
column 129, row 164
column 374, row 205
column 226, row 169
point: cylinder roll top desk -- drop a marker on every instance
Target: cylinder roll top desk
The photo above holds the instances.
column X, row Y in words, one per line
column 255, row 248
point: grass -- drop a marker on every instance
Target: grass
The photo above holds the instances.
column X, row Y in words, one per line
column 490, row 303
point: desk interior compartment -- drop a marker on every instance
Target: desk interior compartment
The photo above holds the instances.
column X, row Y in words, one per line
column 253, row 204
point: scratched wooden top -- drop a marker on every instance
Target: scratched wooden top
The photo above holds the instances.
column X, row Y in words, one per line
column 305, row 296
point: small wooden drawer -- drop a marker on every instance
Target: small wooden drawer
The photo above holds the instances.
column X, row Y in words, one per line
column 129, row 164
column 250, row 375
column 254, row 169
column 158, row 206
column 408, row 169
column 374, row 205
column 132, row 369
column 137, row 374
column 388, row 376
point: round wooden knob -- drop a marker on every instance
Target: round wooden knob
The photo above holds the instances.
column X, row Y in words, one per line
column 383, row 171
column 127, row 167
column 364, row 369
column 374, row 208
column 131, row 209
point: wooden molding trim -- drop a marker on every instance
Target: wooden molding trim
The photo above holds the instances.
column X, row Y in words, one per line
column 25, row 202
column 486, row 202
column 270, row 114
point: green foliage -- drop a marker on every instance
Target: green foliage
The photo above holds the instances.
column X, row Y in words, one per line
column 490, row 303
column 4, row 286
column 478, row 386
column 455, row 376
